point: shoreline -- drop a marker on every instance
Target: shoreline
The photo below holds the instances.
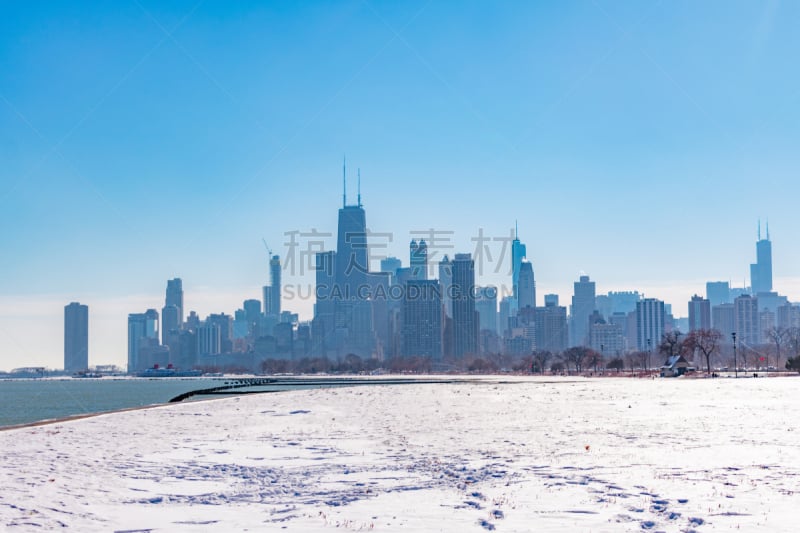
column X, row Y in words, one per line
column 332, row 381
column 320, row 381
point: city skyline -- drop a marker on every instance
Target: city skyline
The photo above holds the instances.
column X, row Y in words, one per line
column 351, row 236
column 136, row 149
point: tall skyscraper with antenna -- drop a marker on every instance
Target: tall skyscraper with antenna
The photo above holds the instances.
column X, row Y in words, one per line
column 352, row 263
column 761, row 270
column 350, row 329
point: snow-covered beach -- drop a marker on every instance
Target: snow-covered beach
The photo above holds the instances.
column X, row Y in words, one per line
column 531, row 454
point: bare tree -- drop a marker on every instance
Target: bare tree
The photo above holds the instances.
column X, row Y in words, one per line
column 705, row 341
column 576, row 356
column 593, row 358
column 616, row 364
column 778, row 336
column 671, row 344
column 540, row 360
column 639, row 359
column 793, row 341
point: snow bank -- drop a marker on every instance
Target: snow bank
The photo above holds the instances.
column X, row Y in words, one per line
column 543, row 455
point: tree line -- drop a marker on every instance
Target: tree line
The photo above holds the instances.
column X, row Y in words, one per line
column 706, row 347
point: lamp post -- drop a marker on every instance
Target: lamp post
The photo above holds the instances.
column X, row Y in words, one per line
column 649, row 353
column 602, row 356
column 735, row 364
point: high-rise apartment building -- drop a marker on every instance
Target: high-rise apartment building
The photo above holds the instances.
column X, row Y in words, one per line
column 649, row 323
column 422, row 319
column 699, row 313
column 142, row 333
column 526, row 289
column 718, row 292
column 551, row 325
column 465, row 318
column 486, row 305
column 76, row 337
column 722, row 319
column 583, row 301
column 746, row 320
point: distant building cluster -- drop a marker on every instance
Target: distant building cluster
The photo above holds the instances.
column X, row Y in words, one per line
column 430, row 310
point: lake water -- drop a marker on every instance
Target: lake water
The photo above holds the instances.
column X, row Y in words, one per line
column 30, row 400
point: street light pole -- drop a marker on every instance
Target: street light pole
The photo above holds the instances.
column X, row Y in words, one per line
column 602, row 356
column 735, row 364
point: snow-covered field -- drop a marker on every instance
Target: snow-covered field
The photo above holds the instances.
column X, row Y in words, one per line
column 528, row 455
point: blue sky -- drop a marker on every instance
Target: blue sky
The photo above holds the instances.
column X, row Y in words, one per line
column 638, row 142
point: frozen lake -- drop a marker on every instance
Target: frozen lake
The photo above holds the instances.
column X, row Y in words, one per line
column 532, row 455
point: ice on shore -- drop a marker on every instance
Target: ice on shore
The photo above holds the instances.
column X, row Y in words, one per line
column 529, row 455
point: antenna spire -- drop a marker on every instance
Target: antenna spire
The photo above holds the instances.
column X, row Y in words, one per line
column 516, row 229
column 767, row 229
column 344, row 181
column 759, row 229
column 359, row 187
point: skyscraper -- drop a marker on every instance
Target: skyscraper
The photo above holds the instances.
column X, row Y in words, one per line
column 526, row 286
column 606, row 338
column 275, row 286
column 486, row 305
column 170, row 331
column 505, row 314
column 761, row 270
column 649, row 323
column 351, row 250
column 352, row 328
column 323, row 325
column 789, row 316
column 76, row 337
column 718, row 292
column 446, row 280
column 722, row 319
column 518, row 253
column 419, row 259
column 551, row 325
column 175, row 296
column 422, row 319
column 225, row 323
column 252, row 310
column 209, row 339
column 699, row 313
column 142, row 333
column 583, row 300
column 391, row 265
column 746, row 321
column 465, row 319
column 170, row 321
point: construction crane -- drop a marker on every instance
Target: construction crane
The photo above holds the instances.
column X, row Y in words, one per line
column 269, row 250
